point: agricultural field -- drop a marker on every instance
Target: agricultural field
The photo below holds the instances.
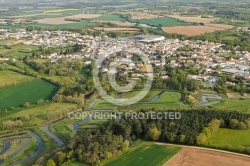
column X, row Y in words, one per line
column 146, row 154
column 108, row 18
column 193, row 19
column 194, row 30
column 62, row 20
column 118, row 29
column 163, row 22
column 16, row 96
column 139, row 16
column 8, row 78
column 58, row 10
column 196, row 157
column 228, row 138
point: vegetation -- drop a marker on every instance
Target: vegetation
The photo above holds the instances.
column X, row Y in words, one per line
column 146, row 154
column 31, row 92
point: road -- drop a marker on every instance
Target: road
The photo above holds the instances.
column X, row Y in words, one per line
column 6, row 144
column 40, row 147
column 53, row 136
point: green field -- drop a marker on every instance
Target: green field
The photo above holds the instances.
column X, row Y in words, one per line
column 18, row 51
column 146, row 154
column 166, row 101
column 169, row 97
column 234, row 105
column 8, row 78
column 108, row 18
column 16, row 96
column 162, row 22
column 228, row 137
column 61, row 26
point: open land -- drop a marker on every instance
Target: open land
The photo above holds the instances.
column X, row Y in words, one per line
column 146, row 154
column 197, row 157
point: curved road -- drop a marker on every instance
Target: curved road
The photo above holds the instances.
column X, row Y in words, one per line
column 53, row 136
column 6, row 144
column 40, row 148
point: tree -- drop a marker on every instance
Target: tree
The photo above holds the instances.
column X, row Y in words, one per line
column 153, row 134
column 201, row 139
column 26, row 104
column 241, row 126
column 233, row 123
column 50, row 163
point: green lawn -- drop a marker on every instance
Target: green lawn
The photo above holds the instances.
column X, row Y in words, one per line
column 146, row 154
column 169, row 97
column 162, row 22
column 16, row 96
column 8, row 78
column 235, row 138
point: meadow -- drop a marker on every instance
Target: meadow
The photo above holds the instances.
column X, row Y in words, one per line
column 18, row 51
column 16, row 96
column 8, row 78
column 163, row 22
column 145, row 154
column 108, row 18
column 228, row 138
column 166, row 101
column 234, row 105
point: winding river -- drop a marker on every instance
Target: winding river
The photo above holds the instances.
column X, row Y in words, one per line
column 75, row 125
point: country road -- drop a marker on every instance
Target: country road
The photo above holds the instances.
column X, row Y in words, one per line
column 53, row 136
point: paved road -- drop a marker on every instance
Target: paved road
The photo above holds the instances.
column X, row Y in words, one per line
column 40, row 148
column 6, row 144
column 53, row 136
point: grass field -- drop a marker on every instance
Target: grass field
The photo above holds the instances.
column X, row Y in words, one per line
column 169, row 97
column 146, row 154
column 234, row 105
column 31, row 92
column 108, row 18
column 18, row 51
column 228, row 137
column 162, row 22
column 167, row 100
column 64, row 25
column 8, row 78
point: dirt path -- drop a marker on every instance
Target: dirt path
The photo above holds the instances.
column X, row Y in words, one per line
column 197, row 156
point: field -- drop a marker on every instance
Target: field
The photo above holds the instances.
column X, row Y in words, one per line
column 196, row 157
column 228, row 137
column 166, row 101
column 108, row 18
column 63, row 24
column 61, row 20
column 11, row 78
column 234, row 105
column 31, row 92
column 58, row 10
column 146, row 154
column 139, row 16
column 162, row 22
column 193, row 19
column 118, row 29
column 192, row 30
column 18, row 51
